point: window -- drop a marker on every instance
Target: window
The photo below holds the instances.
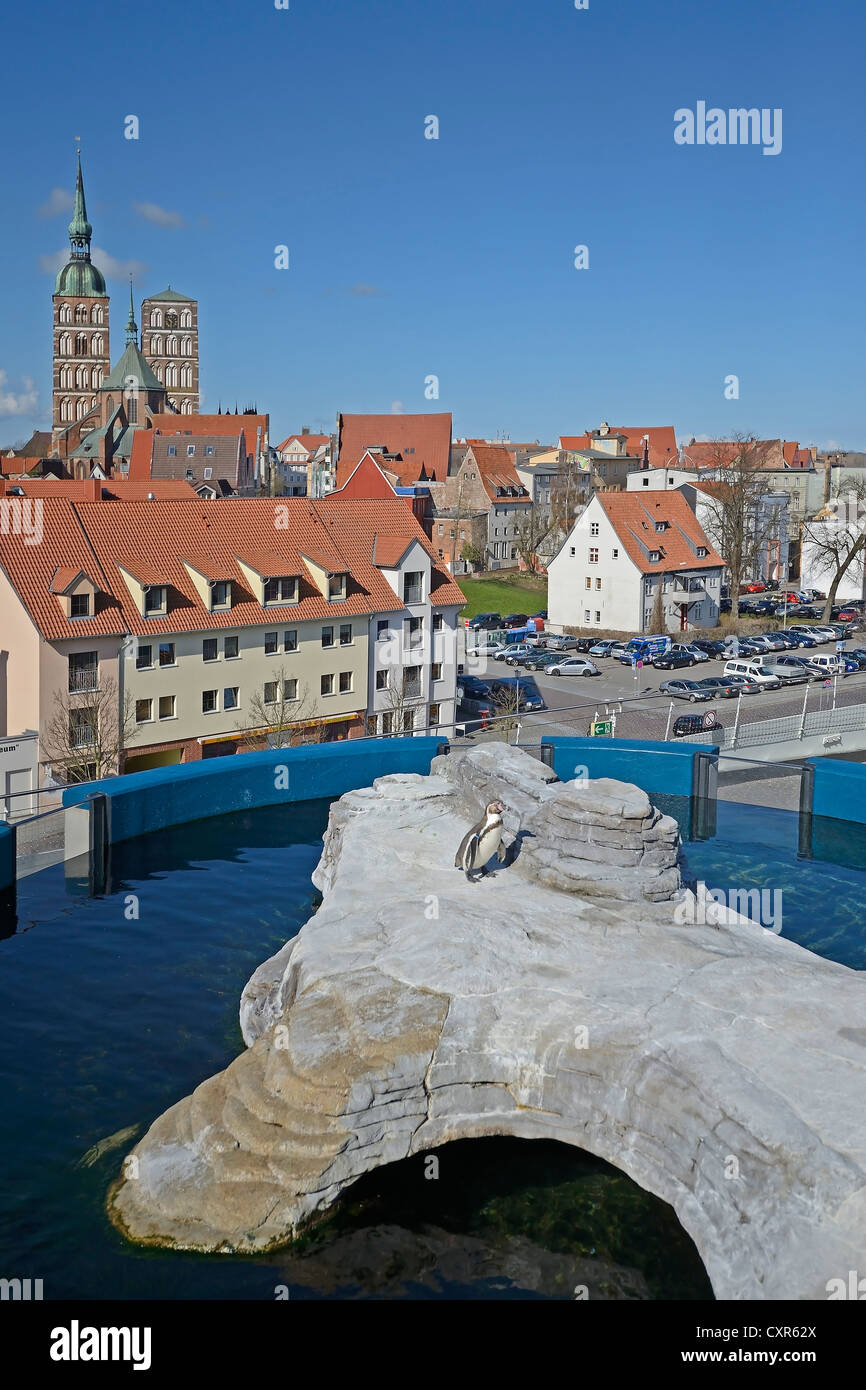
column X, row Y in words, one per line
column 598, row 583
column 436, row 671
column 416, row 632
column 171, row 451
column 614, row 554
column 290, row 688
column 190, row 450
column 586, row 615
column 382, row 680
column 283, row 590
column 208, row 701
column 593, row 528
column 413, row 682
column 593, row 556
column 208, row 474
column 336, row 587
column 408, row 720
column 208, row 450
column 327, row 685
column 271, row 692
column 345, row 682
column 327, row 637
column 166, row 706
column 645, row 482
column 272, row 642
column 346, row 635
column 382, row 630
column 79, row 606
column 230, row 697
column 290, row 640
column 587, row 582
column 209, row 649
column 702, row 552
column 440, row 529
column 661, row 526
column 573, row 550
column 83, row 727
column 83, row 672
column 143, row 658
column 597, row 616
column 166, row 654
column 654, row 557
column 438, row 622
column 143, row 711
column 434, row 714
column 154, row 599
column 221, row 594
column 387, row 723
column 413, row 587
column 231, row 648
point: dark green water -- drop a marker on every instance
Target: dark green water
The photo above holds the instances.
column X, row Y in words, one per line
column 111, row 1009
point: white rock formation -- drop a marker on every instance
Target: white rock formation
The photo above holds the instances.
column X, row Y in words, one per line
column 721, row 1067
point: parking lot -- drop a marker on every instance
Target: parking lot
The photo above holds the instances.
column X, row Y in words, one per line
column 642, row 711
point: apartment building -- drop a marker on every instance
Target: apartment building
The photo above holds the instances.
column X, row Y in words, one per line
column 199, row 628
column 621, row 550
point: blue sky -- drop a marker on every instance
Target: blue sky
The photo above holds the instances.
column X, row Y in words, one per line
column 411, row 257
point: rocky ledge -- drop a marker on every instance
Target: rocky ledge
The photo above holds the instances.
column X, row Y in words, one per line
column 720, row 1066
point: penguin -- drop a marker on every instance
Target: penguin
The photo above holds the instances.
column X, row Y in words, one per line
column 481, row 842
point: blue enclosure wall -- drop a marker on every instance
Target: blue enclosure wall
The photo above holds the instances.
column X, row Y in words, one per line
column 7, row 857
column 161, row 797
column 656, row 767
column 839, row 789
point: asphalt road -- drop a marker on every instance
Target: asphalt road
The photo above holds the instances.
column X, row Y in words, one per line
column 642, row 712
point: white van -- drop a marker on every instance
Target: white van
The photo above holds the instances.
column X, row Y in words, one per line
column 753, row 671
column 833, row 665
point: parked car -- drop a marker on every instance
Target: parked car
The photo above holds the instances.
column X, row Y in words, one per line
column 755, row 670
column 505, row 690
column 694, row 724
column 473, row 706
column 755, row 587
column 819, row 633
column 515, row 620
column 725, row 605
column 685, row 690
column 724, row 686
column 774, row 642
column 585, row 644
column 805, row 663
column 859, row 651
column 800, row 638
column 841, row 631
column 559, row 642
column 513, row 652
column 539, row 660
column 745, row 684
column 541, row 614
column 645, row 648
column 485, row 620
column 713, row 649
column 603, row 648
column 573, row 666
column 674, row 661
column 764, row 607
column 852, row 662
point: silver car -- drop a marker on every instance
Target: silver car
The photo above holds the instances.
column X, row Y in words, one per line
column 573, row 666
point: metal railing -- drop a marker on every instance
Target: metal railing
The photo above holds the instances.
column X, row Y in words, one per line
column 785, row 729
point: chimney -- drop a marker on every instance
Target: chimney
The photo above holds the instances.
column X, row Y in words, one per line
column 645, row 463
column 305, row 429
column 94, row 490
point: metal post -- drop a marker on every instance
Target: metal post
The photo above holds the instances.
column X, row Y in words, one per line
column 803, row 715
column 736, row 721
column 668, row 725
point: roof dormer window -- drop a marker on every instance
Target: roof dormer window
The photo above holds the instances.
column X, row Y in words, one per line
column 281, row 590
column 79, row 606
column 654, row 557
column 336, row 588
column 702, row 552
column 155, row 600
column 221, row 594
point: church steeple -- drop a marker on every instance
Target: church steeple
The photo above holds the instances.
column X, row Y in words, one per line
column 131, row 325
column 80, row 230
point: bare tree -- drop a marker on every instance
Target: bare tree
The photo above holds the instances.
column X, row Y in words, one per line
column 506, row 708
column 567, row 494
column 87, row 730
column 837, row 538
column 278, row 714
column 401, row 700
column 533, row 530
column 736, row 522
column 657, row 617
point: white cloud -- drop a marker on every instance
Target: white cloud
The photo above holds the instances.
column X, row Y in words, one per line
column 396, row 407
column 108, row 264
column 160, row 217
column 25, row 402
column 59, row 200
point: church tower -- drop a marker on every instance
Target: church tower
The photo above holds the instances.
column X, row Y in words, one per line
column 169, row 341
column 81, row 346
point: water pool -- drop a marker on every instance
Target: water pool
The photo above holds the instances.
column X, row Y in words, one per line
column 111, row 1009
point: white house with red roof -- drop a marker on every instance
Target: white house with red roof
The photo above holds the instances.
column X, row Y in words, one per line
column 620, row 550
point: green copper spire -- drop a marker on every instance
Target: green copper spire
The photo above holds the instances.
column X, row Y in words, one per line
column 79, row 276
column 131, row 325
column 80, row 230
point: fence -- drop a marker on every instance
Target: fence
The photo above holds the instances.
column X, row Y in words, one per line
column 785, row 729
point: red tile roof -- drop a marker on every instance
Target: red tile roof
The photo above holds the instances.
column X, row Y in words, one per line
column 496, row 469
column 17, row 467
column 634, row 515
column 715, row 453
column 311, row 442
column 94, row 489
column 662, row 442
column 148, row 538
column 423, row 443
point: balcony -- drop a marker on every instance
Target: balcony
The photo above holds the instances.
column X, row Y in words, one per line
column 687, row 590
column 83, row 680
